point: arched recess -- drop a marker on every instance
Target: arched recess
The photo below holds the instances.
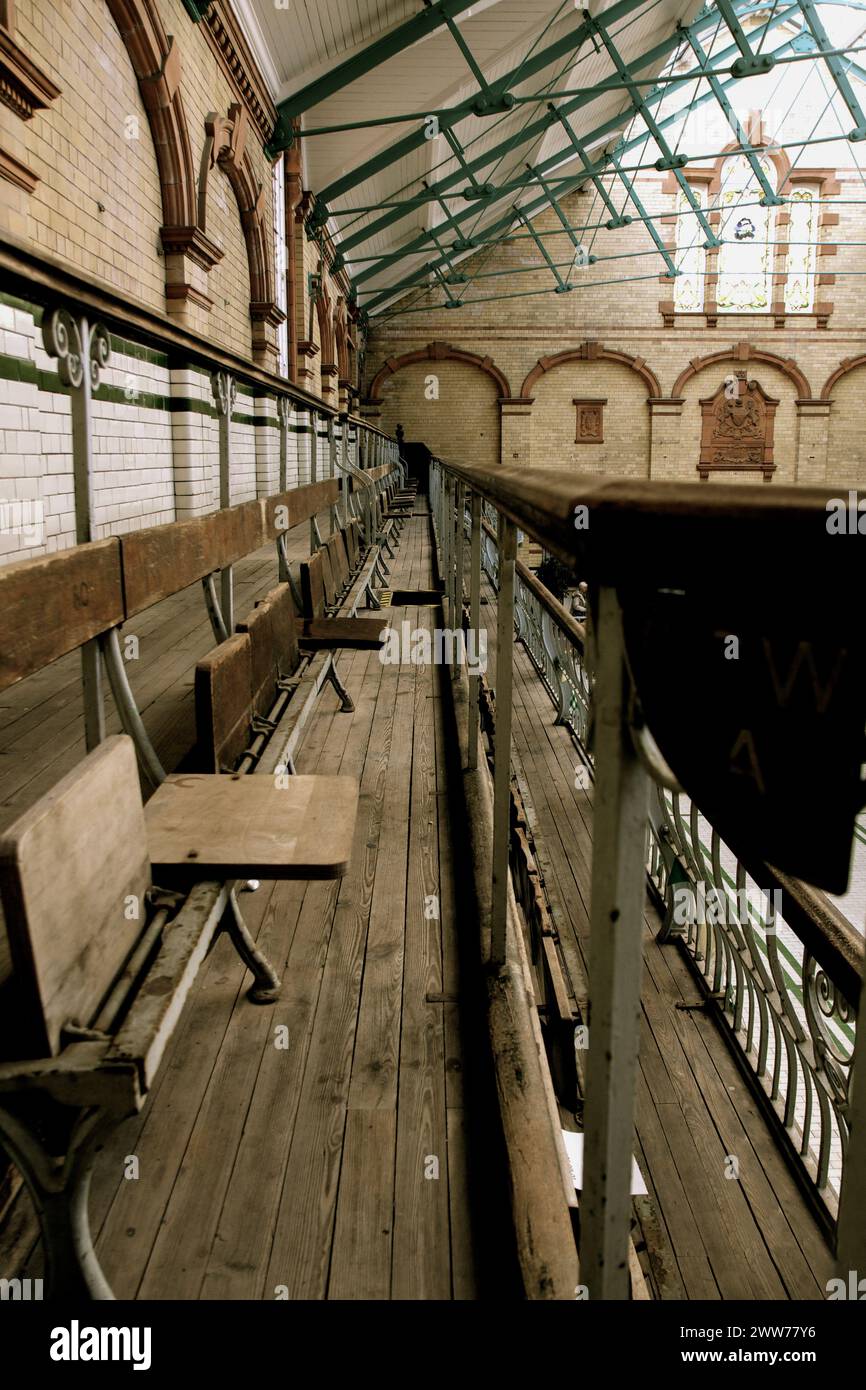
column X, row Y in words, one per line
column 446, row 404
column 155, row 59
column 845, row 441
column 341, row 345
column 438, row 352
column 327, row 344
column 225, row 145
column 744, row 352
column 591, row 352
column 848, row 364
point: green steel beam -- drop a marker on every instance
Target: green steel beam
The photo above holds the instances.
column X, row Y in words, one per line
column 499, row 228
column 432, row 17
column 616, row 219
column 731, row 117
column 551, row 198
column 561, row 286
column 838, row 71
column 643, row 214
column 467, row 54
column 475, row 105
column 668, row 159
column 599, row 88
column 417, row 244
column 539, row 127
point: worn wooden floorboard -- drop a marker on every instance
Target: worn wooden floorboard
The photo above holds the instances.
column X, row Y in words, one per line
column 285, row 1149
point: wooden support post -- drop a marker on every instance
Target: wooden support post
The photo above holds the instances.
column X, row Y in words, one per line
column 620, row 810
column 474, row 624
column 81, row 352
column 502, row 739
column 225, row 392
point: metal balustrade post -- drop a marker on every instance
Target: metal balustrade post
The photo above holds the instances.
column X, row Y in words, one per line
column 344, row 445
column 314, row 472
column 81, row 352
column 225, row 391
column 502, row 739
column 851, row 1227
column 620, row 811
column 284, row 410
column 447, row 503
column 333, row 516
column 457, row 616
column 474, row 624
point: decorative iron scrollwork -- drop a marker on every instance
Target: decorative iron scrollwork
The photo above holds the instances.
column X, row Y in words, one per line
column 63, row 337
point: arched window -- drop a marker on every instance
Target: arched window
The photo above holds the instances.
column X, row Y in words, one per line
column 747, row 232
column 690, row 258
column 802, row 251
column 754, row 247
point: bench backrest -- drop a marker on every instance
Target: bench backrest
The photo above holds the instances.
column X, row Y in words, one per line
column 54, row 603
column 238, row 679
column 161, row 560
column 287, row 509
column 313, row 592
column 274, row 644
column 73, row 874
column 336, row 548
column 352, row 536
column 223, row 703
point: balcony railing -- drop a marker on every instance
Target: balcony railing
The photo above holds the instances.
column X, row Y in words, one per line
column 778, row 963
column 789, row 1018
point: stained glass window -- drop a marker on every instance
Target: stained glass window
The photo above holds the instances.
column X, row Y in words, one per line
column 799, row 286
column 746, row 255
column 690, row 257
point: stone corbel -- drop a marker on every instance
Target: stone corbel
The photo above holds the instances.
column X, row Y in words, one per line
column 24, row 87
column 24, row 90
column 307, row 350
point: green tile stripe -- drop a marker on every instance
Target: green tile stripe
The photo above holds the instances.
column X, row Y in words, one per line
column 19, row 369
column 22, row 369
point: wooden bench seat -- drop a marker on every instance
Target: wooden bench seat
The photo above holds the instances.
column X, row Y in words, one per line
column 104, row 960
column 317, row 587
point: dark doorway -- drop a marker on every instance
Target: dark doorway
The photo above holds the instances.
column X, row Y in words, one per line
column 416, row 457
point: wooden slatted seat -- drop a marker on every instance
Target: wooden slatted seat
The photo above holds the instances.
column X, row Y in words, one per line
column 317, row 627
column 104, row 961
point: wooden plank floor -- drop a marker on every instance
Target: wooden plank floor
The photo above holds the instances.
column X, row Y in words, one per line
column 709, row 1236
column 341, row 1142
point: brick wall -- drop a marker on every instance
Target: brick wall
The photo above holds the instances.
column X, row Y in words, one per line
column 97, row 205
column 811, row 444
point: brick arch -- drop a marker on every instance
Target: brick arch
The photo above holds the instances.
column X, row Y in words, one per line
column 226, row 145
column 591, row 352
column 438, row 352
column 155, row 60
column 744, row 352
column 848, row 364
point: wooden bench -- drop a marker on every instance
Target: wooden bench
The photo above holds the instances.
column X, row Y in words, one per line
column 104, row 959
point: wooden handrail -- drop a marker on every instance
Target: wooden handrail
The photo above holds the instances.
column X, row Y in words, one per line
column 633, row 530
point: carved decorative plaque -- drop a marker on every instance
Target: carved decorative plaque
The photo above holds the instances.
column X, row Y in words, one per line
column 590, row 420
column 737, row 429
